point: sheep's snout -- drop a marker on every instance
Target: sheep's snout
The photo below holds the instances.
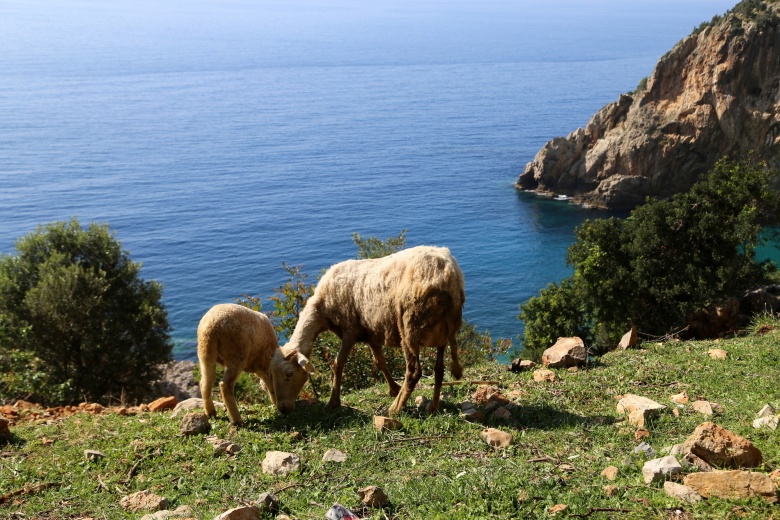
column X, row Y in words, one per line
column 286, row 408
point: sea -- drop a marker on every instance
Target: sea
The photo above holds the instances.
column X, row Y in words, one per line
column 221, row 140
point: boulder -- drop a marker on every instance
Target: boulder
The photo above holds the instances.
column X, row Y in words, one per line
column 194, row 424
column 681, row 492
column 661, row 469
column 629, row 339
column 566, row 352
column 721, row 448
column 280, row 463
column 373, row 496
column 734, row 484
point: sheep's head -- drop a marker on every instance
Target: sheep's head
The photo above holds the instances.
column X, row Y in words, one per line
column 289, row 371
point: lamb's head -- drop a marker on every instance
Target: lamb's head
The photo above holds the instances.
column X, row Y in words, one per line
column 289, row 371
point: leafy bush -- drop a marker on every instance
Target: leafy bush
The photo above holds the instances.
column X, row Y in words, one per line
column 666, row 260
column 77, row 319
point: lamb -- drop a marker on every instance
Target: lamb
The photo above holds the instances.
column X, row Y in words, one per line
column 410, row 299
column 243, row 340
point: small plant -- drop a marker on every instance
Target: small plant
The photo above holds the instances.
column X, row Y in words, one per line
column 764, row 323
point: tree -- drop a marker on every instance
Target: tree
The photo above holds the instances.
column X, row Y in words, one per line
column 74, row 303
column 665, row 261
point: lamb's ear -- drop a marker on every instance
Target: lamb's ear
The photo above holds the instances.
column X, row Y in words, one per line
column 289, row 355
column 305, row 364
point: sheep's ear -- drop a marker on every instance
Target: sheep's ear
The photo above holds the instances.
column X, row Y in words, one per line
column 305, row 364
column 289, row 355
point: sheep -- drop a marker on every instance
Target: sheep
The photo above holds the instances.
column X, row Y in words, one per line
column 410, row 299
column 243, row 340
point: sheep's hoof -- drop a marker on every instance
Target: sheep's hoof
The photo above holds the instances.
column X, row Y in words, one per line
column 333, row 404
column 433, row 410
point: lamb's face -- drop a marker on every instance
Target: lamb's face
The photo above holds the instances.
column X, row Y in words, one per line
column 289, row 372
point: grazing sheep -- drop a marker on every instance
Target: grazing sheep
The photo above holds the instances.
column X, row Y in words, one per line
column 243, row 340
column 410, row 299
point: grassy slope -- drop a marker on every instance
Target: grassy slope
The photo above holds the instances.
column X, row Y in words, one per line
column 437, row 467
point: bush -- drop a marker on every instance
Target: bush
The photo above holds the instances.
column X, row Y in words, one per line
column 668, row 259
column 77, row 319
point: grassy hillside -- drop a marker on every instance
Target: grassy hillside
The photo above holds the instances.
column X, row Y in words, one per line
column 564, row 434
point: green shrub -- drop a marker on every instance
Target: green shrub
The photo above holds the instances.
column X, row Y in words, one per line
column 78, row 319
column 666, row 260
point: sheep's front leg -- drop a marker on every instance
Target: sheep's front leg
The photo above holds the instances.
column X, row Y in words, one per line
column 226, row 388
column 413, row 374
column 208, row 375
column 438, row 372
column 381, row 363
column 338, row 371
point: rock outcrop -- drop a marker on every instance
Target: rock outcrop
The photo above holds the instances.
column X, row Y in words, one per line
column 716, row 93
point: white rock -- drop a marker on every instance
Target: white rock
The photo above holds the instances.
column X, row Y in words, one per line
column 660, row 469
column 334, row 455
column 280, row 463
column 681, row 492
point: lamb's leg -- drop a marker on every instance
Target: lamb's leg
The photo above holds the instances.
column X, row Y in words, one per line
column 413, row 374
column 438, row 372
column 455, row 369
column 226, row 387
column 208, row 375
column 338, row 371
column 379, row 358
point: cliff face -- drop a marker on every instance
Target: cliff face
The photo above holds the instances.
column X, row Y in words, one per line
column 715, row 93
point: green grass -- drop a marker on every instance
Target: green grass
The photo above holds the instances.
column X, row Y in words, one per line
column 436, row 467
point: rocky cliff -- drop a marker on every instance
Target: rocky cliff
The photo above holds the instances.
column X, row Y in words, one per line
column 716, row 93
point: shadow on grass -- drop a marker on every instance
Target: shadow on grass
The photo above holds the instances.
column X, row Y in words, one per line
column 545, row 417
column 314, row 416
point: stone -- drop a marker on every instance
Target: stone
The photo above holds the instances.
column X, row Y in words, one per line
column 703, row 407
column 717, row 353
column 775, row 477
column 610, row 490
column 267, row 503
column 610, row 473
column 565, row 353
column 93, row 455
column 557, row 508
column 721, row 448
column 502, row 414
column 733, row 484
column 163, row 403
column 682, row 492
column 193, row 403
column 280, row 463
column 637, row 418
column 630, row 402
column 543, row 375
column 521, row 365
column 629, row 339
column 143, row 501
column 473, row 415
column 766, row 411
column 334, row 455
column 179, row 512
column 767, row 422
column 660, row 469
column 194, row 424
column 223, row 446
column 5, row 430
column 496, row 438
column 373, row 496
column 386, row 423
column 681, row 398
column 467, row 405
column 421, row 403
column 573, row 370
column 241, row 513
column 644, row 449
column 640, row 434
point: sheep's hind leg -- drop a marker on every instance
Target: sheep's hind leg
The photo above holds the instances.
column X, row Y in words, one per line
column 226, row 388
column 208, row 375
column 438, row 372
column 413, row 374
column 455, row 369
column 338, row 371
column 381, row 363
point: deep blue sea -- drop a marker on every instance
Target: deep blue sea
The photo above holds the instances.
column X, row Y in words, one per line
column 220, row 139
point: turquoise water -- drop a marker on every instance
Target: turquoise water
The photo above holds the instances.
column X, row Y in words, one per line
column 222, row 139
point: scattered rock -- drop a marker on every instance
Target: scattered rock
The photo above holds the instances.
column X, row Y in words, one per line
column 717, row 353
column 223, row 446
column 660, row 469
column 267, row 503
column 496, row 438
column 240, row 513
column 280, row 463
column 193, row 403
column 681, row 492
column 502, row 414
column 721, row 448
column 194, row 424
column 565, row 353
column 703, row 407
column 610, row 490
column 334, row 455
column 143, row 501
column 637, row 418
column 610, row 473
column 644, row 449
column 163, row 403
column 641, row 433
column 629, row 339
column 681, row 398
column 421, row 403
column 775, row 477
column 93, row 455
column 573, row 370
column 373, row 496
column 5, row 430
column 630, row 402
column 521, row 365
column 734, row 484
column 489, row 397
column 296, row 436
column 557, row 508
column 542, row 375
column 473, row 415
column 179, row 512
column 386, row 423
column 766, row 411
